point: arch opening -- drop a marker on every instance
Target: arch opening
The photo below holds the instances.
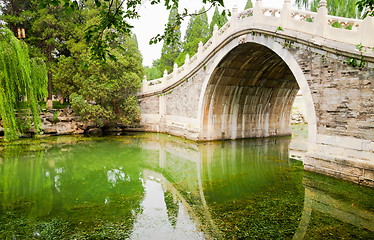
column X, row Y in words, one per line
column 249, row 95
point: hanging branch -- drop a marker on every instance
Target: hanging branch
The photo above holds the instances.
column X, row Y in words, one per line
column 116, row 22
column 22, row 83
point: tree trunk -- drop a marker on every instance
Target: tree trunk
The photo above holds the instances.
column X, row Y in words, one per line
column 49, row 99
column 49, row 85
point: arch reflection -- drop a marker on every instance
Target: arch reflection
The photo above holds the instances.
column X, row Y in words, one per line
column 217, row 190
column 251, row 189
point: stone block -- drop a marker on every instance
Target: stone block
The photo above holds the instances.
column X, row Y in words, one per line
column 64, row 128
column 64, row 119
column 49, row 117
column 49, row 129
column 366, row 182
column 333, row 169
column 78, row 131
column 324, row 139
column 347, row 142
column 358, row 154
column 349, row 170
column 369, row 173
column 330, row 150
column 368, row 146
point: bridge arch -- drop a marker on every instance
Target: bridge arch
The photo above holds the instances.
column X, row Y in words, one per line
column 241, row 83
column 250, row 89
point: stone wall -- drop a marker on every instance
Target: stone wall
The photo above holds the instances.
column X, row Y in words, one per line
column 342, row 94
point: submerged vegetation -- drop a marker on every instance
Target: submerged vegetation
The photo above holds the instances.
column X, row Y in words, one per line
column 22, row 84
column 75, row 187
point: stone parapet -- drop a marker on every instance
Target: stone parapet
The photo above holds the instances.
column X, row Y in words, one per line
column 317, row 28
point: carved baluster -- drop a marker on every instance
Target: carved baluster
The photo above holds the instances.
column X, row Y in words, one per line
column 175, row 68
column 145, row 84
column 201, row 45
column 285, row 13
column 215, row 33
column 257, row 12
column 187, row 61
column 234, row 12
column 234, row 17
column 321, row 21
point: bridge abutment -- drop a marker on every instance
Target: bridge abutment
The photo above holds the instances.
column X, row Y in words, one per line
column 342, row 157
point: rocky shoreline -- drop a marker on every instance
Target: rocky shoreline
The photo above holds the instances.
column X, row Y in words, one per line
column 65, row 122
column 297, row 117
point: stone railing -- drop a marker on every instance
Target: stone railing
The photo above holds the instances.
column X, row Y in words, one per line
column 317, row 27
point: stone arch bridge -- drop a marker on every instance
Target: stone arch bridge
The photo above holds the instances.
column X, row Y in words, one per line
column 243, row 81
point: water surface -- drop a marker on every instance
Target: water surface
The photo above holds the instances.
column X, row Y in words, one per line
column 155, row 186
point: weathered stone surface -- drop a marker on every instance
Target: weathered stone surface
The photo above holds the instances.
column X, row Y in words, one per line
column 65, row 128
column 78, row 131
column 297, row 117
column 49, row 116
column 189, row 91
column 65, row 119
column 48, row 128
column 150, row 105
column 62, row 122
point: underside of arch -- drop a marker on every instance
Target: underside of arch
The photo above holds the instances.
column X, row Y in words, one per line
column 250, row 94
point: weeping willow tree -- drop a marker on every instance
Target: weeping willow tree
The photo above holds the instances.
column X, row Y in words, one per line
column 23, row 81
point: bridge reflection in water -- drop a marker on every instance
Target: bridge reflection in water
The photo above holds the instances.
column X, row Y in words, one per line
column 155, row 186
column 252, row 189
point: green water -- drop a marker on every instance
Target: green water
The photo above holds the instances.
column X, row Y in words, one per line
column 154, row 186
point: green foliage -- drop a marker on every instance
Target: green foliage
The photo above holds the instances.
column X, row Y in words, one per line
column 181, row 58
column 102, row 92
column 39, row 74
column 55, row 117
column 170, row 51
column 153, row 72
column 356, row 63
column 90, row 111
column 336, row 25
column 114, row 15
column 279, row 29
column 197, row 31
column 342, row 8
column 248, row 4
column 366, row 6
column 22, row 84
column 98, row 91
column 359, row 47
column 217, row 19
column 47, row 30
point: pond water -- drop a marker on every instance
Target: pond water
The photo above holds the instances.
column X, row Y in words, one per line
column 155, row 186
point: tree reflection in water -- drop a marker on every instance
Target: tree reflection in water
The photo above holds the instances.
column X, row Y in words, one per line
column 160, row 186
